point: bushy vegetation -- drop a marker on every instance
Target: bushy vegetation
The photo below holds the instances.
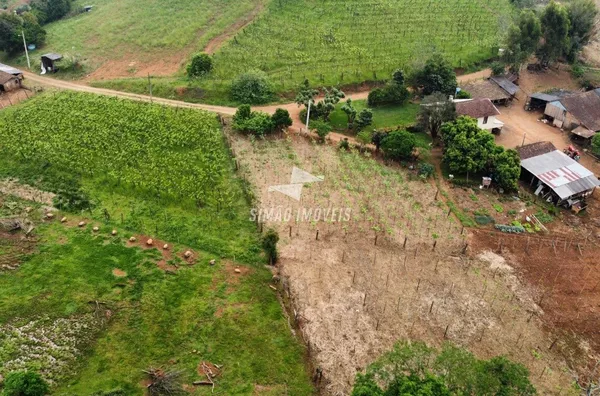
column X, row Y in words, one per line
column 11, row 26
column 416, row 369
column 393, row 93
column 471, row 150
column 596, row 144
column 200, row 65
column 399, row 145
column 260, row 123
column 24, row 383
column 435, row 110
column 252, row 87
column 437, row 76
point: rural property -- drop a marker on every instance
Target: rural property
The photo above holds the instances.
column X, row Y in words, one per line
column 299, row 197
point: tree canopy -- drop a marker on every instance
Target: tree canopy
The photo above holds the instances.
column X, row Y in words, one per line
column 582, row 17
column 522, row 40
column 437, row 76
column 555, row 32
column 467, row 148
column 11, row 26
column 398, row 145
column 416, row 369
column 252, row 87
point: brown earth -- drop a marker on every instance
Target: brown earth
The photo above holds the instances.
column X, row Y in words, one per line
column 119, row 273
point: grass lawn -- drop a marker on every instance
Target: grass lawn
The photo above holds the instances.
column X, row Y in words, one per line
column 383, row 117
column 174, row 320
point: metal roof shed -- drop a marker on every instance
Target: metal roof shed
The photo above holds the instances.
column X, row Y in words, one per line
column 564, row 176
column 49, row 59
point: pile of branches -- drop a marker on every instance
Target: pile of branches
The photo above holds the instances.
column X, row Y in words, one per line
column 164, row 382
column 12, row 224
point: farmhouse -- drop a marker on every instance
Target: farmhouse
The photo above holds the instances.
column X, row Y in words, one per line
column 483, row 110
column 555, row 176
column 9, row 82
column 500, row 90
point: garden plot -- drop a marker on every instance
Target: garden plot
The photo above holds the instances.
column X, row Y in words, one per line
column 393, row 270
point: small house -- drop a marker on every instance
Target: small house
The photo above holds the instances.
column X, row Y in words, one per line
column 555, row 176
column 9, row 82
column 483, row 110
column 578, row 113
column 49, row 62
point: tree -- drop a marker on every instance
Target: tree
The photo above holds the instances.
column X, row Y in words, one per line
column 11, row 26
column 437, row 76
column 416, row 369
column 48, row 11
column 200, row 65
column 398, row 77
column 306, row 94
column 435, row 110
column 281, row 119
column 350, row 112
column 326, row 106
column 555, row 33
column 399, row 145
column 582, row 17
column 252, row 87
column 377, row 138
column 321, row 128
column 507, row 168
column 24, row 383
column 242, row 113
column 523, row 40
column 468, row 148
column 364, row 119
column 269, row 243
column 596, row 144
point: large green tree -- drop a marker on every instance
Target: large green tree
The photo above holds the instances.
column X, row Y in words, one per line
column 522, row 40
column 467, row 148
column 50, row 10
column 437, row 76
column 435, row 110
column 582, row 18
column 555, row 33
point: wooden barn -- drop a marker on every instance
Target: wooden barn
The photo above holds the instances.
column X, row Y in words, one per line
column 499, row 90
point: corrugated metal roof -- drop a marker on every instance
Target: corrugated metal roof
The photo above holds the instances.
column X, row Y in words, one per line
column 561, row 173
column 557, row 103
column 544, row 97
column 585, row 107
column 9, row 69
column 52, row 56
column 506, row 85
column 583, row 132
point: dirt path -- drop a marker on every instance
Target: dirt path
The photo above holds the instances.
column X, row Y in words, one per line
column 216, row 43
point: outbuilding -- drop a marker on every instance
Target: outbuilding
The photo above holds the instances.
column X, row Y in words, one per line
column 499, row 90
column 49, row 62
column 555, row 176
column 9, row 82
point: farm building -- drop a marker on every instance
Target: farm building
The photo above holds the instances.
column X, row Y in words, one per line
column 11, row 70
column 9, row 82
column 500, row 90
column 483, row 110
column 579, row 113
column 555, row 176
column 49, row 60
column 539, row 100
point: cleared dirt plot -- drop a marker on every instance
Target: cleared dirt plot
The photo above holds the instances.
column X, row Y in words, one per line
column 395, row 269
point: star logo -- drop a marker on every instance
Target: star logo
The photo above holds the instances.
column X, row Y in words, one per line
column 298, row 180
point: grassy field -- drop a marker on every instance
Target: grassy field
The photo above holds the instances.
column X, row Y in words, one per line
column 337, row 42
column 383, row 117
column 148, row 32
column 145, row 315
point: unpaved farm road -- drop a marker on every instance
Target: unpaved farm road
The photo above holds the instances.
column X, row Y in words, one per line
column 292, row 108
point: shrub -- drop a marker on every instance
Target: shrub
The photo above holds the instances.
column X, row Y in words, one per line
column 71, row 199
column 399, row 145
column 321, row 128
column 426, row 170
column 281, row 119
column 364, row 119
column 344, row 144
column 463, row 95
column 258, row 123
column 269, row 243
column 200, row 65
column 391, row 94
column 376, row 97
column 596, row 144
column 252, row 87
column 24, row 383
